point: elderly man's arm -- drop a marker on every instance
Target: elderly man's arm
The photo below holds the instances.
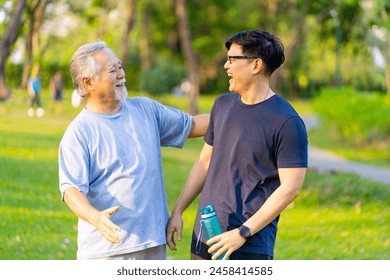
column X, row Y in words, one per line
column 200, row 123
column 101, row 220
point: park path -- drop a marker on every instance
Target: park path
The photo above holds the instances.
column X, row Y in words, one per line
column 327, row 162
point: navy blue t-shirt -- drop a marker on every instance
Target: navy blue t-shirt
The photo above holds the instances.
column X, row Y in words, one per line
column 250, row 143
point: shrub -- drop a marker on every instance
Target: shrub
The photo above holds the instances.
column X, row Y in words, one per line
column 13, row 75
column 162, row 78
column 356, row 116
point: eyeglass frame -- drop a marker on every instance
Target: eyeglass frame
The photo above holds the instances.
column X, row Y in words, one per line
column 229, row 57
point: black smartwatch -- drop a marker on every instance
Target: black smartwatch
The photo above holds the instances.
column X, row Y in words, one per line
column 245, row 232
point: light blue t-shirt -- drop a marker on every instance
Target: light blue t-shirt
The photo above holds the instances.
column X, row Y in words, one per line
column 35, row 84
column 116, row 160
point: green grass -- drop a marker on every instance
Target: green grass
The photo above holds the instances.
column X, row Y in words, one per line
column 337, row 216
column 375, row 153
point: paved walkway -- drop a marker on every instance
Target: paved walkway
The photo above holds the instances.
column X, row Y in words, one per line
column 323, row 161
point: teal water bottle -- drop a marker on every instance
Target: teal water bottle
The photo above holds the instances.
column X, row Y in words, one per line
column 210, row 223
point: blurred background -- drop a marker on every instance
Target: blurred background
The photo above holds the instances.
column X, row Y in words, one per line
column 328, row 43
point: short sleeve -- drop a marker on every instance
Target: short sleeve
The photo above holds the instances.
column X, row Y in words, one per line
column 209, row 136
column 73, row 164
column 292, row 144
column 174, row 125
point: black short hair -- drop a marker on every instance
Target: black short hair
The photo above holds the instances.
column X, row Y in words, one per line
column 261, row 44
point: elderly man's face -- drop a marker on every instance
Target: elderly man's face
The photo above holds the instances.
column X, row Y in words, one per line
column 111, row 81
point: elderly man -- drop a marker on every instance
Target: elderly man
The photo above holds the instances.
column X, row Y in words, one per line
column 110, row 168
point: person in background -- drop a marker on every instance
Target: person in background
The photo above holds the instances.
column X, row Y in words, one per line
column 34, row 90
column 110, row 164
column 56, row 91
column 254, row 160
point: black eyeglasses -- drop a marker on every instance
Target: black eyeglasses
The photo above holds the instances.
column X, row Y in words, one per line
column 239, row 57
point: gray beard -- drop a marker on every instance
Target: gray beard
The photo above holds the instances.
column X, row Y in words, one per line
column 121, row 95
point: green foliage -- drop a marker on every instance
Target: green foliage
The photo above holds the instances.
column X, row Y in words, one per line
column 311, row 55
column 14, row 74
column 162, row 78
column 357, row 117
column 132, row 71
column 47, row 70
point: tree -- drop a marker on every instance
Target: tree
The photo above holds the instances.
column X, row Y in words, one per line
column 147, row 32
column 146, row 54
column 189, row 54
column 6, row 44
column 36, row 12
column 379, row 35
column 129, row 27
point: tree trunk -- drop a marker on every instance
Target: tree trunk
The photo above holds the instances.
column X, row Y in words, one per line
column 145, row 53
column 190, row 56
column 10, row 36
column 292, row 51
column 129, row 27
column 32, row 38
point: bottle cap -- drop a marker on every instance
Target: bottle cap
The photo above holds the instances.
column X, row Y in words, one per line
column 207, row 211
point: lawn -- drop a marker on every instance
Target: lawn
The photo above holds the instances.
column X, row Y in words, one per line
column 337, row 216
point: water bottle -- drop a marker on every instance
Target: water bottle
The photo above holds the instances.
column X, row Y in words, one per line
column 210, row 224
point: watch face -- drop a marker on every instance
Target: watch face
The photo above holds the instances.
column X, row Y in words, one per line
column 245, row 232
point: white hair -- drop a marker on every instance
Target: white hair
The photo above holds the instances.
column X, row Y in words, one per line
column 84, row 65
